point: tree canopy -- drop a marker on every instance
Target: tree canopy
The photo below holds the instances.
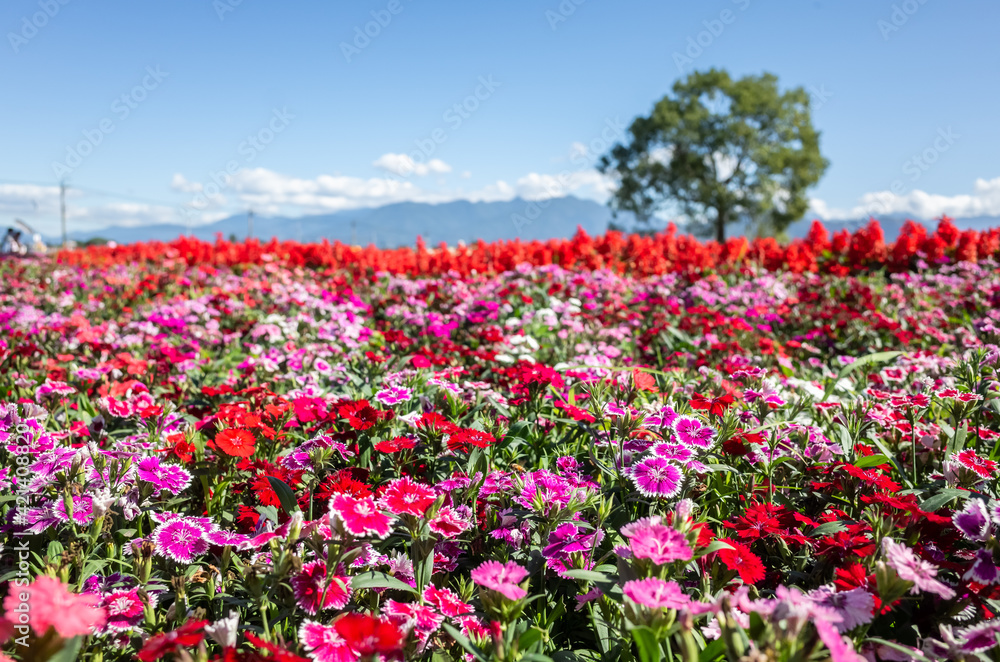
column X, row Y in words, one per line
column 720, row 150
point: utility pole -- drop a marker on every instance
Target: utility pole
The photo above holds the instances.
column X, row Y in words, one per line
column 249, row 223
column 354, row 233
column 62, row 205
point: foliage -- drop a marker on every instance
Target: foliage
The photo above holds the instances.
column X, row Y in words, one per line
column 722, row 150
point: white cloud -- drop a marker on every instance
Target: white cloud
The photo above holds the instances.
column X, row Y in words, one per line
column 404, row 166
column 28, row 199
column 983, row 201
column 582, row 183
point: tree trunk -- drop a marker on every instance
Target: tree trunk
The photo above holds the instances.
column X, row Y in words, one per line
column 720, row 225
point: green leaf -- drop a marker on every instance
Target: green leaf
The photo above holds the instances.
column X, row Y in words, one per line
column 878, row 357
column 712, row 652
column 645, row 641
column 827, row 529
column 270, row 512
column 720, row 467
column 941, row 499
column 716, row 545
column 285, row 494
column 529, row 638
column 55, row 550
column 588, row 575
column 69, row 651
column 910, row 653
column 374, row 579
column 871, row 461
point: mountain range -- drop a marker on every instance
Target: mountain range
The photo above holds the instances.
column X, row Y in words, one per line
column 400, row 224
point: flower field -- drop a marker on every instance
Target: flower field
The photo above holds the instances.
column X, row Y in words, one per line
column 607, row 448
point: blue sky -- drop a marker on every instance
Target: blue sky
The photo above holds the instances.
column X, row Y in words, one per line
column 164, row 94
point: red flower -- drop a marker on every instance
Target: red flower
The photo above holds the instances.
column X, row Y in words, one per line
column 342, row 482
column 435, row 422
column 181, row 449
column 189, row 634
column 369, row 635
column 714, row 406
column 462, row 439
column 361, row 415
column 395, row 445
column 278, row 653
column 743, row 561
column 576, row 413
column 644, row 381
column 235, row 442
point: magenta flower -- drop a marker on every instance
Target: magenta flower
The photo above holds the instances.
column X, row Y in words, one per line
column 394, row 395
column 984, row 570
column 309, row 585
column 223, row 538
column 677, row 452
column 83, row 510
column 973, row 520
column 657, row 542
column 179, row 539
column 502, row 578
column 169, row 477
column 912, row 569
column 360, row 517
column 124, row 610
column 656, row 477
column 692, row 432
column 656, row 593
column 981, row 637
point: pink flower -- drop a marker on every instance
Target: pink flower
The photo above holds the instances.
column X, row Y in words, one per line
column 855, row 606
column 409, row 497
column 324, row 643
column 360, row 517
column 49, row 603
column 423, row 620
column 308, row 587
column 448, row 523
column 446, row 601
column 502, row 578
column 841, row 649
column 656, row 593
column 657, row 542
column 656, row 477
column 912, row 569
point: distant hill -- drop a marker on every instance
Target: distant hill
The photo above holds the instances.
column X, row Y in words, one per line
column 397, row 224
column 400, row 224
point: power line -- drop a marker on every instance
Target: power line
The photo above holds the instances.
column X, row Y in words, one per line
column 98, row 192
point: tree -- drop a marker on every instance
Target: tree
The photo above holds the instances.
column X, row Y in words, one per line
column 720, row 150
